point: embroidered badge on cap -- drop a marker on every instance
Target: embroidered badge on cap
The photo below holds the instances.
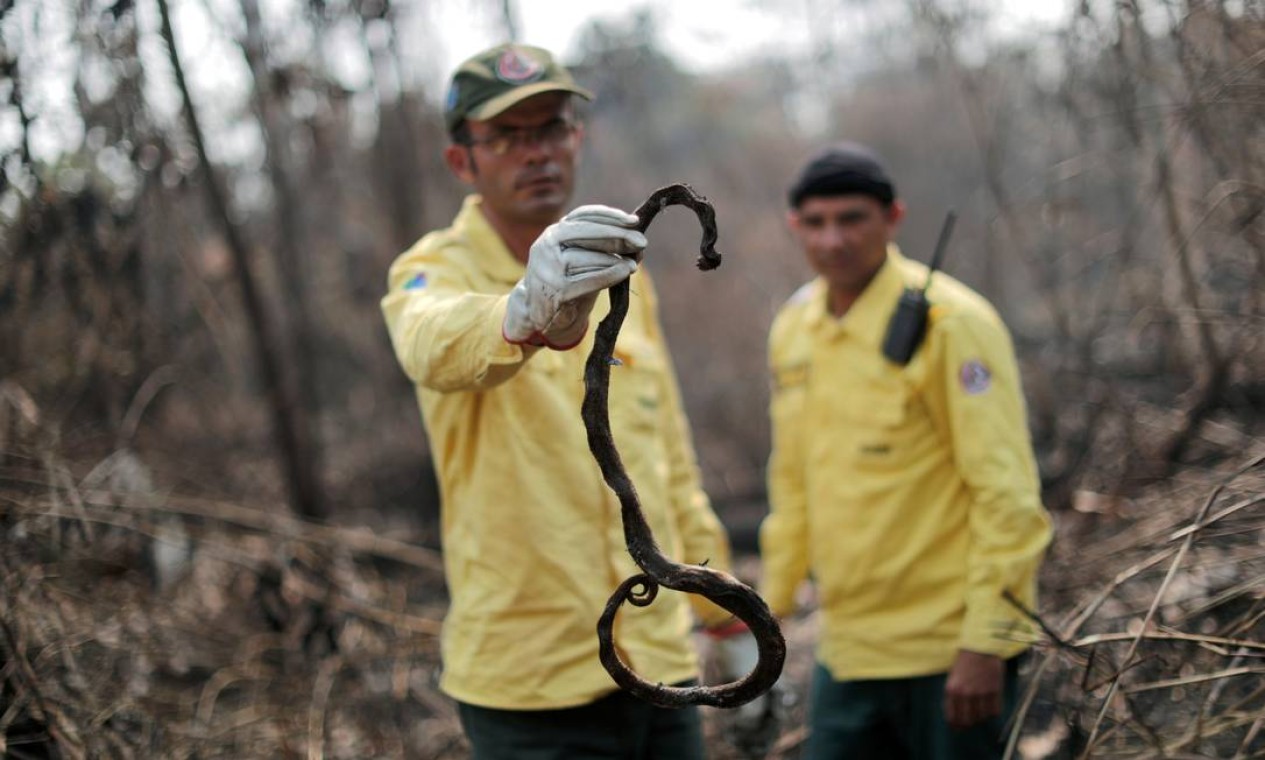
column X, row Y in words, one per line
column 975, row 377
column 516, row 67
column 417, row 282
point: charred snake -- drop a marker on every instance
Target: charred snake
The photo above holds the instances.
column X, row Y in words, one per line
column 657, row 569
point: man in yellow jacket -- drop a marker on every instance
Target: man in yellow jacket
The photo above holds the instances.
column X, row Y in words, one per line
column 489, row 318
column 909, row 493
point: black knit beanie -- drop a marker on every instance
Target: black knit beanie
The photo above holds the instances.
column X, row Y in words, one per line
column 843, row 169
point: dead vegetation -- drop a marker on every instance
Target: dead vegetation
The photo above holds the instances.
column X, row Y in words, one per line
column 1155, row 624
column 144, row 623
column 140, row 623
column 158, row 598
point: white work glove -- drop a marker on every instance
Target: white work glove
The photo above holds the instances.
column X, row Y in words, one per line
column 589, row 250
column 754, row 727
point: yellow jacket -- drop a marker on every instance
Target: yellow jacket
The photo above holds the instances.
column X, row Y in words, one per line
column 910, row 494
column 532, row 538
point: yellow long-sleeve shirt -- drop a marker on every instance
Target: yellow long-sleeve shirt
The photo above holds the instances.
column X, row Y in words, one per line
column 910, row 494
column 532, row 539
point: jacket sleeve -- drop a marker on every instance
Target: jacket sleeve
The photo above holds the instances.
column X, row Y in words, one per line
column 703, row 537
column 974, row 397
column 446, row 337
column 784, row 545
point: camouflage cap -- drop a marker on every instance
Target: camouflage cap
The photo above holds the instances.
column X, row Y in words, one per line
column 492, row 81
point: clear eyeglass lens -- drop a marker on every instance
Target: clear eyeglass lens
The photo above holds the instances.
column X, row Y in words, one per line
column 554, row 133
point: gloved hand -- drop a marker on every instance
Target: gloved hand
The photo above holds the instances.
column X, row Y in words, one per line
column 589, row 250
column 754, row 727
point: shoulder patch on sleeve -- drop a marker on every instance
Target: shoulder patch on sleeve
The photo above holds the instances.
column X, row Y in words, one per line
column 416, row 282
column 975, row 377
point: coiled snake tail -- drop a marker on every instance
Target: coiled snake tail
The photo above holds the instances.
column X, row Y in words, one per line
column 657, row 569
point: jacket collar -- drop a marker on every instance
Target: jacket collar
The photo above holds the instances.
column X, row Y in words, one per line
column 492, row 256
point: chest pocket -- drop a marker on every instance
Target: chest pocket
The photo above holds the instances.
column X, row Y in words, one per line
column 880, row 424
column 877, row 407
column 790, row 386
column 636, row 390
column 791, row 376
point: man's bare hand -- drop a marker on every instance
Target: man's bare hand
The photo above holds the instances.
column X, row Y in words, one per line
column 973, row 691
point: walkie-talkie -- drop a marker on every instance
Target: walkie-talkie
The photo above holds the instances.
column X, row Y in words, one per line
column 909, row 322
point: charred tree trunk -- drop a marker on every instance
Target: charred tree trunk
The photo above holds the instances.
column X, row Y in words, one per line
column 295, row 273
column 288, row 422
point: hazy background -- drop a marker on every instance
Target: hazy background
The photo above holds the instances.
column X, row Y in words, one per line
column 189, row 321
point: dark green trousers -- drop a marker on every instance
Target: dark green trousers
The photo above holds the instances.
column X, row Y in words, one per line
column 899, row 719
column 615, row 727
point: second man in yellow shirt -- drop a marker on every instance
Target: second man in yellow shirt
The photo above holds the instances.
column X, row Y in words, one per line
column 909, row 493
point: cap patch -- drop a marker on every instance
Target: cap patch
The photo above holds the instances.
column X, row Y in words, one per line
column 450, row 102
column 975, row 377
column 515, row 67
column 417, row 282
